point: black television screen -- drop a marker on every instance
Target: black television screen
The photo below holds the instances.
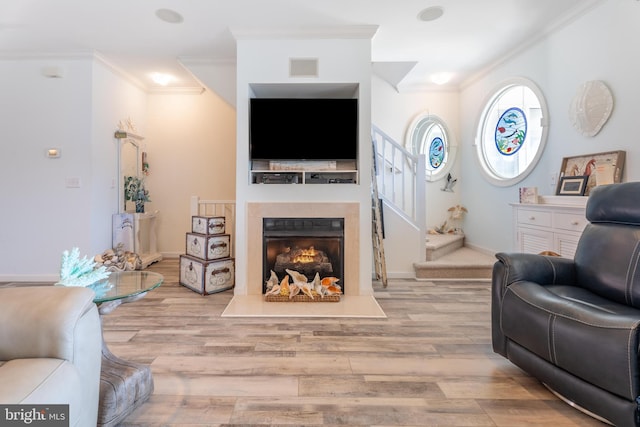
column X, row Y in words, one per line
column 303, row 129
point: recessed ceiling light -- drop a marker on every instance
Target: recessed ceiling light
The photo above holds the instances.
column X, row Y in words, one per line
column 162, row 79
column 440, row 78
column 431, row 13
column 170, row 16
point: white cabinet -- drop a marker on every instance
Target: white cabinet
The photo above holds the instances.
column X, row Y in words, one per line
column 137, row 233
column 555, row 225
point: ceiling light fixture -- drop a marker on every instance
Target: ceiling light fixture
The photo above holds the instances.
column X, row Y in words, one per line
column 170, row 16
column 440, row 78
column 162, row 79
column 431, row 13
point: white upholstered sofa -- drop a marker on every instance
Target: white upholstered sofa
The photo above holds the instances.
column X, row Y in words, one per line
column 50, row 349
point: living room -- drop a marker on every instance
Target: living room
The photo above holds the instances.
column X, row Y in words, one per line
column 190, row 141
column 192, row 135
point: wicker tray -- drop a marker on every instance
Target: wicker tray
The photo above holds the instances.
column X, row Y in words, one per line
column 301, row 298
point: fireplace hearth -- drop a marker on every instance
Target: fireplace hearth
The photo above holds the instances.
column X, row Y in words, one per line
column 308, row 246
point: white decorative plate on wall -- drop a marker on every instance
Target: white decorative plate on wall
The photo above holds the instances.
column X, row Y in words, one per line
column 591, row 107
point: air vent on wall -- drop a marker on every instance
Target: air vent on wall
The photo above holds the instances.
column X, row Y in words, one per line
column 303, row 67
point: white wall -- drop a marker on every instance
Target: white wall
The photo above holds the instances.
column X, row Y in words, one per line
column 113, row 100
column 599, row 46
column 40, row 215
column 191, row 149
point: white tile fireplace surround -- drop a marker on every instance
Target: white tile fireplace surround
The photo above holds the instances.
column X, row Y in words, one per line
column 353, row 303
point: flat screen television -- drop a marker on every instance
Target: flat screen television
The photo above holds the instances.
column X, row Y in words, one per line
column 303, row 129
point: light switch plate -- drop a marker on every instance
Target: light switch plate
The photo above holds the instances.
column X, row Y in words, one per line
column 73, row 182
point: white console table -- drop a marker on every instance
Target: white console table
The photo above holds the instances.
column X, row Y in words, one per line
column 137, row 233
column 555, row 224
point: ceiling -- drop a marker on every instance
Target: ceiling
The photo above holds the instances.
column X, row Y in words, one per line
column 469, row 37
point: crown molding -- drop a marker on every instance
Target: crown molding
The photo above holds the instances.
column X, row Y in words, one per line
column 570, row 17
column 202, row 60
column 66, row 55
column 332, row 32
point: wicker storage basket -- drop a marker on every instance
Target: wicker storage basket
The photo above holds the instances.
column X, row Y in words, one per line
column 301, row 298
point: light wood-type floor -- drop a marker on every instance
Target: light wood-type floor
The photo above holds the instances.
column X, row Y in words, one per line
column 429, row 363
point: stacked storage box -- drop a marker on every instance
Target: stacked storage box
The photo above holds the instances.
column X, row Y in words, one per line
column 207, row 267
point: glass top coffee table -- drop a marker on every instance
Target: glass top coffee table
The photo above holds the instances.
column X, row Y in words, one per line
column 124, row 286
column 124, row 385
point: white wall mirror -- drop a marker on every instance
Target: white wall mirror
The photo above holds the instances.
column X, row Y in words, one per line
column 129, row 162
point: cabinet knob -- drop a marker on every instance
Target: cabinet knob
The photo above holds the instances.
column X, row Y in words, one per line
column 532, row 218
column 574, row 222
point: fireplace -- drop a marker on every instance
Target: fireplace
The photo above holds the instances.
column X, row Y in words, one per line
column 309, row 246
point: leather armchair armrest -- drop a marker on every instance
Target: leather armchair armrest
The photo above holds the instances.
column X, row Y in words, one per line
column 516, row 267
column 541, row 269
column 47, row 321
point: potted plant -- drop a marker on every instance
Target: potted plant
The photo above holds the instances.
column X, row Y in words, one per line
column 134, row 190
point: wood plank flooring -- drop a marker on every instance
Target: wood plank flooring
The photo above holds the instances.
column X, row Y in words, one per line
column 429, row 363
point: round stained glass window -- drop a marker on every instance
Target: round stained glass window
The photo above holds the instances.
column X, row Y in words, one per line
column 512, row 132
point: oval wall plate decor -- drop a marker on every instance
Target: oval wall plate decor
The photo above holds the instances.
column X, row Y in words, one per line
column 591, row 107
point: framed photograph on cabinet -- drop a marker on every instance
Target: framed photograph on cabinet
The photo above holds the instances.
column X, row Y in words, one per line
column 572, row 185
column 600, row 168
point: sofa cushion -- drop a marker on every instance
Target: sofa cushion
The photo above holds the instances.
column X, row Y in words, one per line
column 41, row 381
column 578, row 331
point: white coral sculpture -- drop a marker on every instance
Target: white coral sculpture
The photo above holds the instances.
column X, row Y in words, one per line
column 80, row 272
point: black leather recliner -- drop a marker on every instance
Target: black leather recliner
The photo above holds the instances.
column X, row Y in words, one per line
column 575, row 324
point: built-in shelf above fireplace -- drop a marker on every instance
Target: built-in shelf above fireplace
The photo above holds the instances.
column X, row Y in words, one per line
column 304, row 172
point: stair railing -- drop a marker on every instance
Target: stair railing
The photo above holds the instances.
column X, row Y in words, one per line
column 225, row 208
column 401, row 179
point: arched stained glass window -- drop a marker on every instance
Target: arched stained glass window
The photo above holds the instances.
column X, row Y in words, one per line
column 429, row 135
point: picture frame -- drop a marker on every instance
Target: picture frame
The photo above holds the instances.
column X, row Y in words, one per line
column 572, row 185
column 600, row 168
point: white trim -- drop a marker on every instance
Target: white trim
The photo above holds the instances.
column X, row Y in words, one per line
column 29, row 278
column 327, row 32
column 451, row 146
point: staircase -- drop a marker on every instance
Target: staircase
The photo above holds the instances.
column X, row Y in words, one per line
column 446, row 257
column 401, row 179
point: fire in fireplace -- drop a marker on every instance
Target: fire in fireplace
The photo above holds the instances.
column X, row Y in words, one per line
column 307, row 246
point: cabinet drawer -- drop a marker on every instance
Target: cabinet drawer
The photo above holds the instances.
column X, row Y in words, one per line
column 533, row 217
column 569, row 222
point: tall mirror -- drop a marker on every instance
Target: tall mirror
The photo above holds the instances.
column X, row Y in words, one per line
column 129, row 163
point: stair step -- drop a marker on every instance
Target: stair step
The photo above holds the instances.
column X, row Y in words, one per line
column 463, row 263
column 439, row 245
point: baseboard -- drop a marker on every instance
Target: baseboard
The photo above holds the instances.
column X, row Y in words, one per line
column 396, row 275
column 49, row 278
column 401, row 275
column 480, row 249
column 171, row 255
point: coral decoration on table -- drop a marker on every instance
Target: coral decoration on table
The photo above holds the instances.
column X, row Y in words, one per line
column 80, row 272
